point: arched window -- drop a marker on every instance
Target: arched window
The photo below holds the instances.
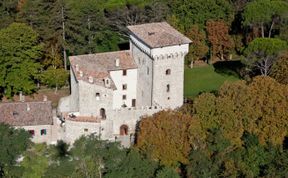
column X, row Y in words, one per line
column 168, row 72
column 103, row 113
column 124, row 130
column 168, row 88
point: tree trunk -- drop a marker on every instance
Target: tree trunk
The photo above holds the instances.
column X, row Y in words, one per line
column 192, row 64
column 56, row 89
column 64, row 39
column 262, row 30
column 271, row 28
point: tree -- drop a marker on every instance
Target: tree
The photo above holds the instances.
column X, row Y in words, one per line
column 199, row 11
column 218, row 36
column 279, row 69
column 8, row 10
column 262, row 13
column 13, row 143
column 262, row 52
column 19, row 56
column 171, row 144
column 55, row 77
column 198, row 49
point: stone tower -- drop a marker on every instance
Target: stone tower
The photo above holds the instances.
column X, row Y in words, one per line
column 159, row 50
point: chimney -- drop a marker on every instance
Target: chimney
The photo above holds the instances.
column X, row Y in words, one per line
column 77, row 67
column 21, row 97
column 90, row 78
column 117, row 62
column 81, row 73
column 28, row 107
column 44, row 98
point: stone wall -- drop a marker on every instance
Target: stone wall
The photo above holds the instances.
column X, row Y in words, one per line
column 144, row 84
column 130, row 80
column 168, row 89
column 38, row 138
column 89, row 104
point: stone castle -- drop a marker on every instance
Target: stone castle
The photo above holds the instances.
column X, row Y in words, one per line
column 110, row 92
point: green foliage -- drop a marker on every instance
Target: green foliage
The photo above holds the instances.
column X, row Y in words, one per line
column 13, row 143
column 167, row 173
column 264, row 12
column 20, row 50
column 199, row 49
column 262, row 52
column 54, row 77
column 199, row 11
column 8, row 10
column 36, row 161
column 257, row 108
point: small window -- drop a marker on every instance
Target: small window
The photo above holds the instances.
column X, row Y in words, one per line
column 147, row 70
column 124, row 97
column 124, row 86
column 168, row 88
column 124, row 72
column 15, row 113
column 97, row 96
column 32, row 132
column 85, row 130
column 43, row 132
column 107, row 81
column 168, row 98
column 168, row 72
column 139, row 60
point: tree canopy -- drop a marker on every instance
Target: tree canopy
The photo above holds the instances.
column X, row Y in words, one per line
column 20, row 53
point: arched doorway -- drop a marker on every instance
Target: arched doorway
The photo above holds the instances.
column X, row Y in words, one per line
column 124, row 130
column 103, row 113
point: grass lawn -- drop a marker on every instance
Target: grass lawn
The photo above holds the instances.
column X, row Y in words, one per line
column 203, row 79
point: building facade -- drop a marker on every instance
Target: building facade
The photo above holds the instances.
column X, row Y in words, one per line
column 110, row 92
column 35, row 117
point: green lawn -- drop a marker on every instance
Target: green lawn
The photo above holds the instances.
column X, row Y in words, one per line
column 203, row 79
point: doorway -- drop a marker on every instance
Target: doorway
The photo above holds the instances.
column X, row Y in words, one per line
column 103, row 113
column 124, row 130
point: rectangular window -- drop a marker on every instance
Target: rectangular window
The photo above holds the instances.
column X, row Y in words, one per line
column 43, row 132
column 85, row 130
column 124, row 86
column 124, row 72
column 124, row 97
column 168, row 88
column 32, row 132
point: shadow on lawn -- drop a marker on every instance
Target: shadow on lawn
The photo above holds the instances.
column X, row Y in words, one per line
column 234, row 68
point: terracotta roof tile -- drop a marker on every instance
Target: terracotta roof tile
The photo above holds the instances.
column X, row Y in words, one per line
column 157, row 35
column 26, row 113
column 98, row 65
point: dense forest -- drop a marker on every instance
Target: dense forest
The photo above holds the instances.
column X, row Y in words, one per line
column 46, row 32
column 241, row 130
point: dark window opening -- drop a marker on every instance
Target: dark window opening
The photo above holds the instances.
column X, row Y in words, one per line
column 85, row 130
column 103, row 113
column 32, row 132
column 124, row 97
column 124, row 72
column 43, row 132
column 168, row 88
column 124, row 86
column 97, row 96
column 168, row 72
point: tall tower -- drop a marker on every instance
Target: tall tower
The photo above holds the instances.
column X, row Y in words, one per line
column 159, row 50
